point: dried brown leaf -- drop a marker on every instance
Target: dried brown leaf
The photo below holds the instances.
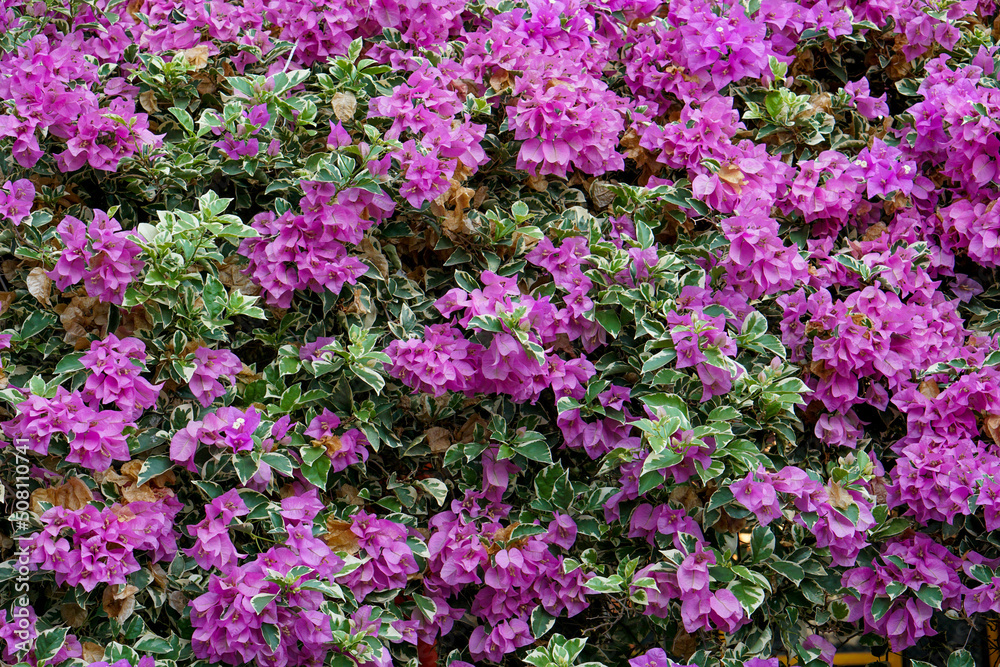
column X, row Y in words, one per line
column 375, row 256
column 6, row 299
column 332, row 444
column 438, row 439
column 148, row 101
column 159, row 575
column 206, row 86
column 684, row 645
column 350, row 494
column 119, row 601
column 10, row 267
column 83, row 315
column 839, row 497
column 538, row 183
column 92, row 652
column 501, row 79
column 469, row 427
column 875, row 231
column 820, row 369
column 457, row 200
column 74, row 615
column 685, row 495
column 929, row 388
column 72, row 494
column 196, row 56
column 991, row 426
column 177, row 601
column 132, row 320
column 731, row 174
column 344, row 106
column 601, row 195
column 339, row 536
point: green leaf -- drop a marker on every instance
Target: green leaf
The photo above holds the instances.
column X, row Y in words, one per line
column 369, row 376
column 669, row 405
column 271, row 635
column 114, row 652
column 261, row 601
column 184, row 118
column 317, row 471
column 152, row 467
column 659, row 360
column 609, row 320
column 724, row 413
column 749, row 596
column 69, row 363
column 48, row 643
column 774, row 104
column 278, row 462
column 612, row 584
column 435, row 488
column 37, row 322
column 880, row 607
column 813, row 592
column 789, row 571
column 545, row 481
column 892, row 527
column 310, row 454
column 541, row 622
column 961, row 658
column 527, row 530
column 428, row 608
column 650, row 481
column 533, row 447
column 150, row 643
column 931, row 596
column 895, row 589
column 246, row 468
column 762, row 543
column 754, row 326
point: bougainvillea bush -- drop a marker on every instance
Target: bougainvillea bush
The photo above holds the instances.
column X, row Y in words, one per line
column 557, row 332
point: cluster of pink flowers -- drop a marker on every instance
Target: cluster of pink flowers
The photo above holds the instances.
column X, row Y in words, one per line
column 55, row 95
column 697, row 51
column 858, row 243
column 823, row 509
column 942, row 459
column 347, row 449
column 96, row 435
column 307, row 251
column 227, row 626
column 213, row 547
column 701, row 607
column 694, row 334
column 445, row 361
column 228, row 428
column 241, row 141
column 210, row 365
column 92, row 546
column 515, row 579
column 115, row 378
column 444, row 139
column 389, row 558
column 16, row 199
column 19, row 631
column 908, row 565
column 101, row 254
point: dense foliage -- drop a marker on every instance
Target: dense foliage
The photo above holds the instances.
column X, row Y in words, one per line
column 433, row 332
